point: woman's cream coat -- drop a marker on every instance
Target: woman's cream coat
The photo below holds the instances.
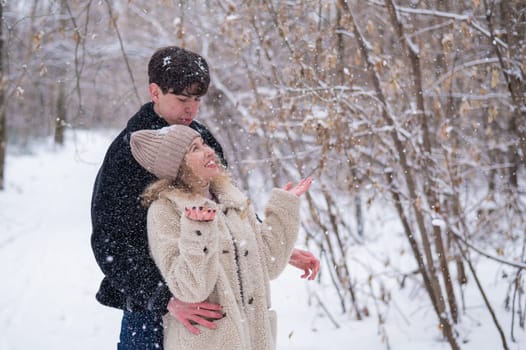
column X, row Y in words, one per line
column 228, row 261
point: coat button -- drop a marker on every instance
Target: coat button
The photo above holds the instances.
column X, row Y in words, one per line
column 198, row 233
column 251, row 300
column 246, row 253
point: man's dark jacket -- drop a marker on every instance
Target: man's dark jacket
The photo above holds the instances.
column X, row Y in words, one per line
column 119, row 240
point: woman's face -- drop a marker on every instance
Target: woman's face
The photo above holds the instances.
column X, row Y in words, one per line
column 201, row 159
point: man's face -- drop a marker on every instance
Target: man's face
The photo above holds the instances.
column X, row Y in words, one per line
column 175, row 109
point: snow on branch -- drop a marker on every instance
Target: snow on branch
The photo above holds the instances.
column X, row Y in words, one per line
column 470, row 20
column 487, row 255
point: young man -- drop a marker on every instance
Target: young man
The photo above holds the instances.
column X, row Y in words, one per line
column 177, row 80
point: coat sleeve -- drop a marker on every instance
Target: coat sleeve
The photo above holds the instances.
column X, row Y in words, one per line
column 185, row 251
column 279, row 231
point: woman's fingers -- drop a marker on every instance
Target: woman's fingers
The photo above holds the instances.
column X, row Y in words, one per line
column 288, row 186
column 200, row 213
column 302, row 186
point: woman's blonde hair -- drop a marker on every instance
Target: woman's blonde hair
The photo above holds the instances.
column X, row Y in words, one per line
column 186, row 181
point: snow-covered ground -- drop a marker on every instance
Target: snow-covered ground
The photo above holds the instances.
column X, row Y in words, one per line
column 49, row 276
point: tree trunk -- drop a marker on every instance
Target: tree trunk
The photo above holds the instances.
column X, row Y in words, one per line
column 61, row 119
column 3, row 132
column 513, row 72
column 434, row 287
column 432, row 197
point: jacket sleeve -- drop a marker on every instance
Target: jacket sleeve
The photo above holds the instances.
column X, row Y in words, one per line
column 279, row 231
column 185, row 251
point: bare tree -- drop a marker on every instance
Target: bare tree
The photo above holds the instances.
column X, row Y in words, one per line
column 416, row 107
column 3, row 133
column 62, row 118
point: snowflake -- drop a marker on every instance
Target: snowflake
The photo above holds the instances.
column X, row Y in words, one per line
column 167, row 60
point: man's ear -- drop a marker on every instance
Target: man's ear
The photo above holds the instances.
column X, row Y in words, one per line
column 155, row 91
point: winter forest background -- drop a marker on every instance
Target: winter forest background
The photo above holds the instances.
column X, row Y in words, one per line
column 414, row 110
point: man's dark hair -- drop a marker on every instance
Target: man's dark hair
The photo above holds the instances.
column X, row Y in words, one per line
column 179, row 71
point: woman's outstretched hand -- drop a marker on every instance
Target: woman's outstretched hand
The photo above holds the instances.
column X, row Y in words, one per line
column 300, row 188
column 200, row 213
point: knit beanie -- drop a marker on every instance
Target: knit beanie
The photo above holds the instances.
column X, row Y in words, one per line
column 162, row 151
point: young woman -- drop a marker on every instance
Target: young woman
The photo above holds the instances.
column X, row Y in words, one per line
column 208, row 244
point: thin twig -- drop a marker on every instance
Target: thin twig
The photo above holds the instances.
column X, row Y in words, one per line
column 331, row 318
column 487, row 255
column 124, row 56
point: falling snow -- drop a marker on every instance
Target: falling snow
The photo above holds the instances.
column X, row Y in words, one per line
column 53, row 277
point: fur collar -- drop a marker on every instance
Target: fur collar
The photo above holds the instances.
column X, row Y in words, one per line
column 229, row 197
